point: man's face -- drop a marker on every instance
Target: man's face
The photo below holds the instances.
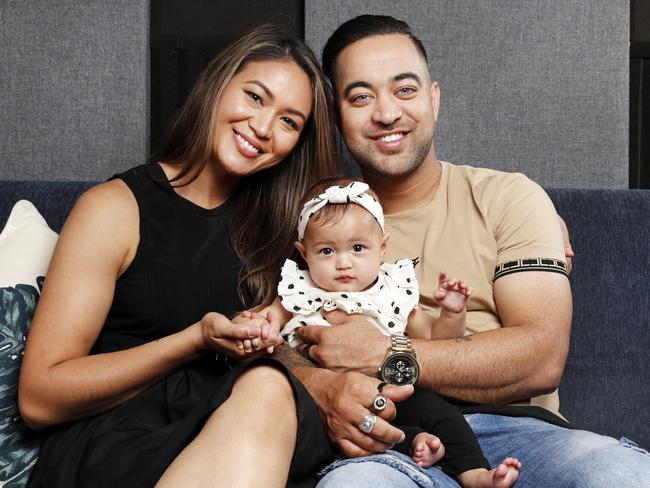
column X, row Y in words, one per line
column 387, row 104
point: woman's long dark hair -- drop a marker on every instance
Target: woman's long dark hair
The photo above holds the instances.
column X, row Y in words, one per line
column 267, row 202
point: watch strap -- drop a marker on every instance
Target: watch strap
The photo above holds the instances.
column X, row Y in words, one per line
column 401, row 343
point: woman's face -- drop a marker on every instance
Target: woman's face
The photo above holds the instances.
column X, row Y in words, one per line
column 261, row 115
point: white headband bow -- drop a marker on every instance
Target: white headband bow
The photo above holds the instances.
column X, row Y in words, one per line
column 355, row 192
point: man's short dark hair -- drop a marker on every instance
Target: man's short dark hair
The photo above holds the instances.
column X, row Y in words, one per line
column 359, row 28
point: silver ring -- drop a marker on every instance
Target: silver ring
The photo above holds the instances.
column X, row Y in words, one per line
column 379, row 403
column 367, row 423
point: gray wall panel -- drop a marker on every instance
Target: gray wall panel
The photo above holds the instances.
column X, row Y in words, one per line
column 73, row 88
column 540, row 87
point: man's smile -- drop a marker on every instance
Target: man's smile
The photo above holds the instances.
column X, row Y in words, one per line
column 390, row 141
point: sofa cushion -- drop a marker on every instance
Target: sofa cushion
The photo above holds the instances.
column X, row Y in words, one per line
column 26, row 245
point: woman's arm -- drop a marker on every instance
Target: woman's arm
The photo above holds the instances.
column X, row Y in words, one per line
column 59, row 381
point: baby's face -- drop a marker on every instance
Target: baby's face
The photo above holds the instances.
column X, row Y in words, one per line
column 344, row 255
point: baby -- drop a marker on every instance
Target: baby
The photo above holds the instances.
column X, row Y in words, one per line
column 342, row 240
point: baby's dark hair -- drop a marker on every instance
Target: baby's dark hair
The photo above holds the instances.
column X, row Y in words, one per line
column 332, row 212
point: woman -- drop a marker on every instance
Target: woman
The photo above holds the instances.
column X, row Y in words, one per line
column 120, row 361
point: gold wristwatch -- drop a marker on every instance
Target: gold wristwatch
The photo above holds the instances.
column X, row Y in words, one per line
column 400, row 366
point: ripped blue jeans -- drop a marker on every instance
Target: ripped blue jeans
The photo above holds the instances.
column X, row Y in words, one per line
column 551, row 457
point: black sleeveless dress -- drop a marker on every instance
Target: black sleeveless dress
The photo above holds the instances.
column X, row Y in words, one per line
column 183, row 268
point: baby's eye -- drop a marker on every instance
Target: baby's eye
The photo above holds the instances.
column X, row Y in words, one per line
column 326, row 250
column 358, row 248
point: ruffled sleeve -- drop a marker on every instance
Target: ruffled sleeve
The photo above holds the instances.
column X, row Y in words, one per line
column 401, row 293
column 297, row 291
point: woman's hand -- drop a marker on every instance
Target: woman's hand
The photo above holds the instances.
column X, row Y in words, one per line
column 245, row 336
column 270, row 326
column 219, row 334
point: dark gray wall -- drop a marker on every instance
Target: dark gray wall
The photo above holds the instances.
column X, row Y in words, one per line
column 540, row 87
column 73, row 88
column 534, row 86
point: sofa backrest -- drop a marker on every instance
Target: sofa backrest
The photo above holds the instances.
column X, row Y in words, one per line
column 606, row 384
column 53, row 199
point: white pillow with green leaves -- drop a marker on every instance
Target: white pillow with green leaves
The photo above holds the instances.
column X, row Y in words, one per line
column 26, row 246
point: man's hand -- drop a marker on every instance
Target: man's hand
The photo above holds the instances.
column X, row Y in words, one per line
column 353, row 345
column 344, row 399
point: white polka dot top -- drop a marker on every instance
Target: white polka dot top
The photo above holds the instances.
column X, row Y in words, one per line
column 386, row 304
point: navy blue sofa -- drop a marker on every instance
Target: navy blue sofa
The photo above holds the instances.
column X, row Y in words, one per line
column 606, row 384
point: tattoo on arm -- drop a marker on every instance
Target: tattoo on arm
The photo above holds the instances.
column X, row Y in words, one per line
column 463, row 339
column 291, row 359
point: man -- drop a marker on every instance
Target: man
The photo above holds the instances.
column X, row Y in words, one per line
column 468, row 222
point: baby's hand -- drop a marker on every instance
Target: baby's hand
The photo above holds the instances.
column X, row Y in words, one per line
column 247, row 318
column 452, row 295
column 269, row 335
column 427, row 449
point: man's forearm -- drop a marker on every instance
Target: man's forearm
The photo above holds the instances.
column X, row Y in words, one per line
column 306, row 371
column 291, row 358
column 524, row 358
column 314, row 378
column 498, row 366
column 471, row 368
column 479, row 369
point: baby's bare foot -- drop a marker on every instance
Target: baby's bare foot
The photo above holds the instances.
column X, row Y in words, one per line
column 427, row 449
column 506, row 473
column 503, row 476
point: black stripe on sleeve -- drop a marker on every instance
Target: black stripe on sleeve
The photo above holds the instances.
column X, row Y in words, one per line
column 530, row 264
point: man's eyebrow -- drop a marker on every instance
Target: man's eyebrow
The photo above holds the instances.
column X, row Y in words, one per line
column 269, row 94
column 355, row 84
column 408, row 75
column 364, row 84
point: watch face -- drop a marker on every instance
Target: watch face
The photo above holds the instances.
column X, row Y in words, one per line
column 400, row 369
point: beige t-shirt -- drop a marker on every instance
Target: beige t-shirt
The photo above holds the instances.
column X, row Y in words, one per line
column 478, row 219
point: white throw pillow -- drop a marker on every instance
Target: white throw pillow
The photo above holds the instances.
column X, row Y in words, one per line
column 26, row 245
